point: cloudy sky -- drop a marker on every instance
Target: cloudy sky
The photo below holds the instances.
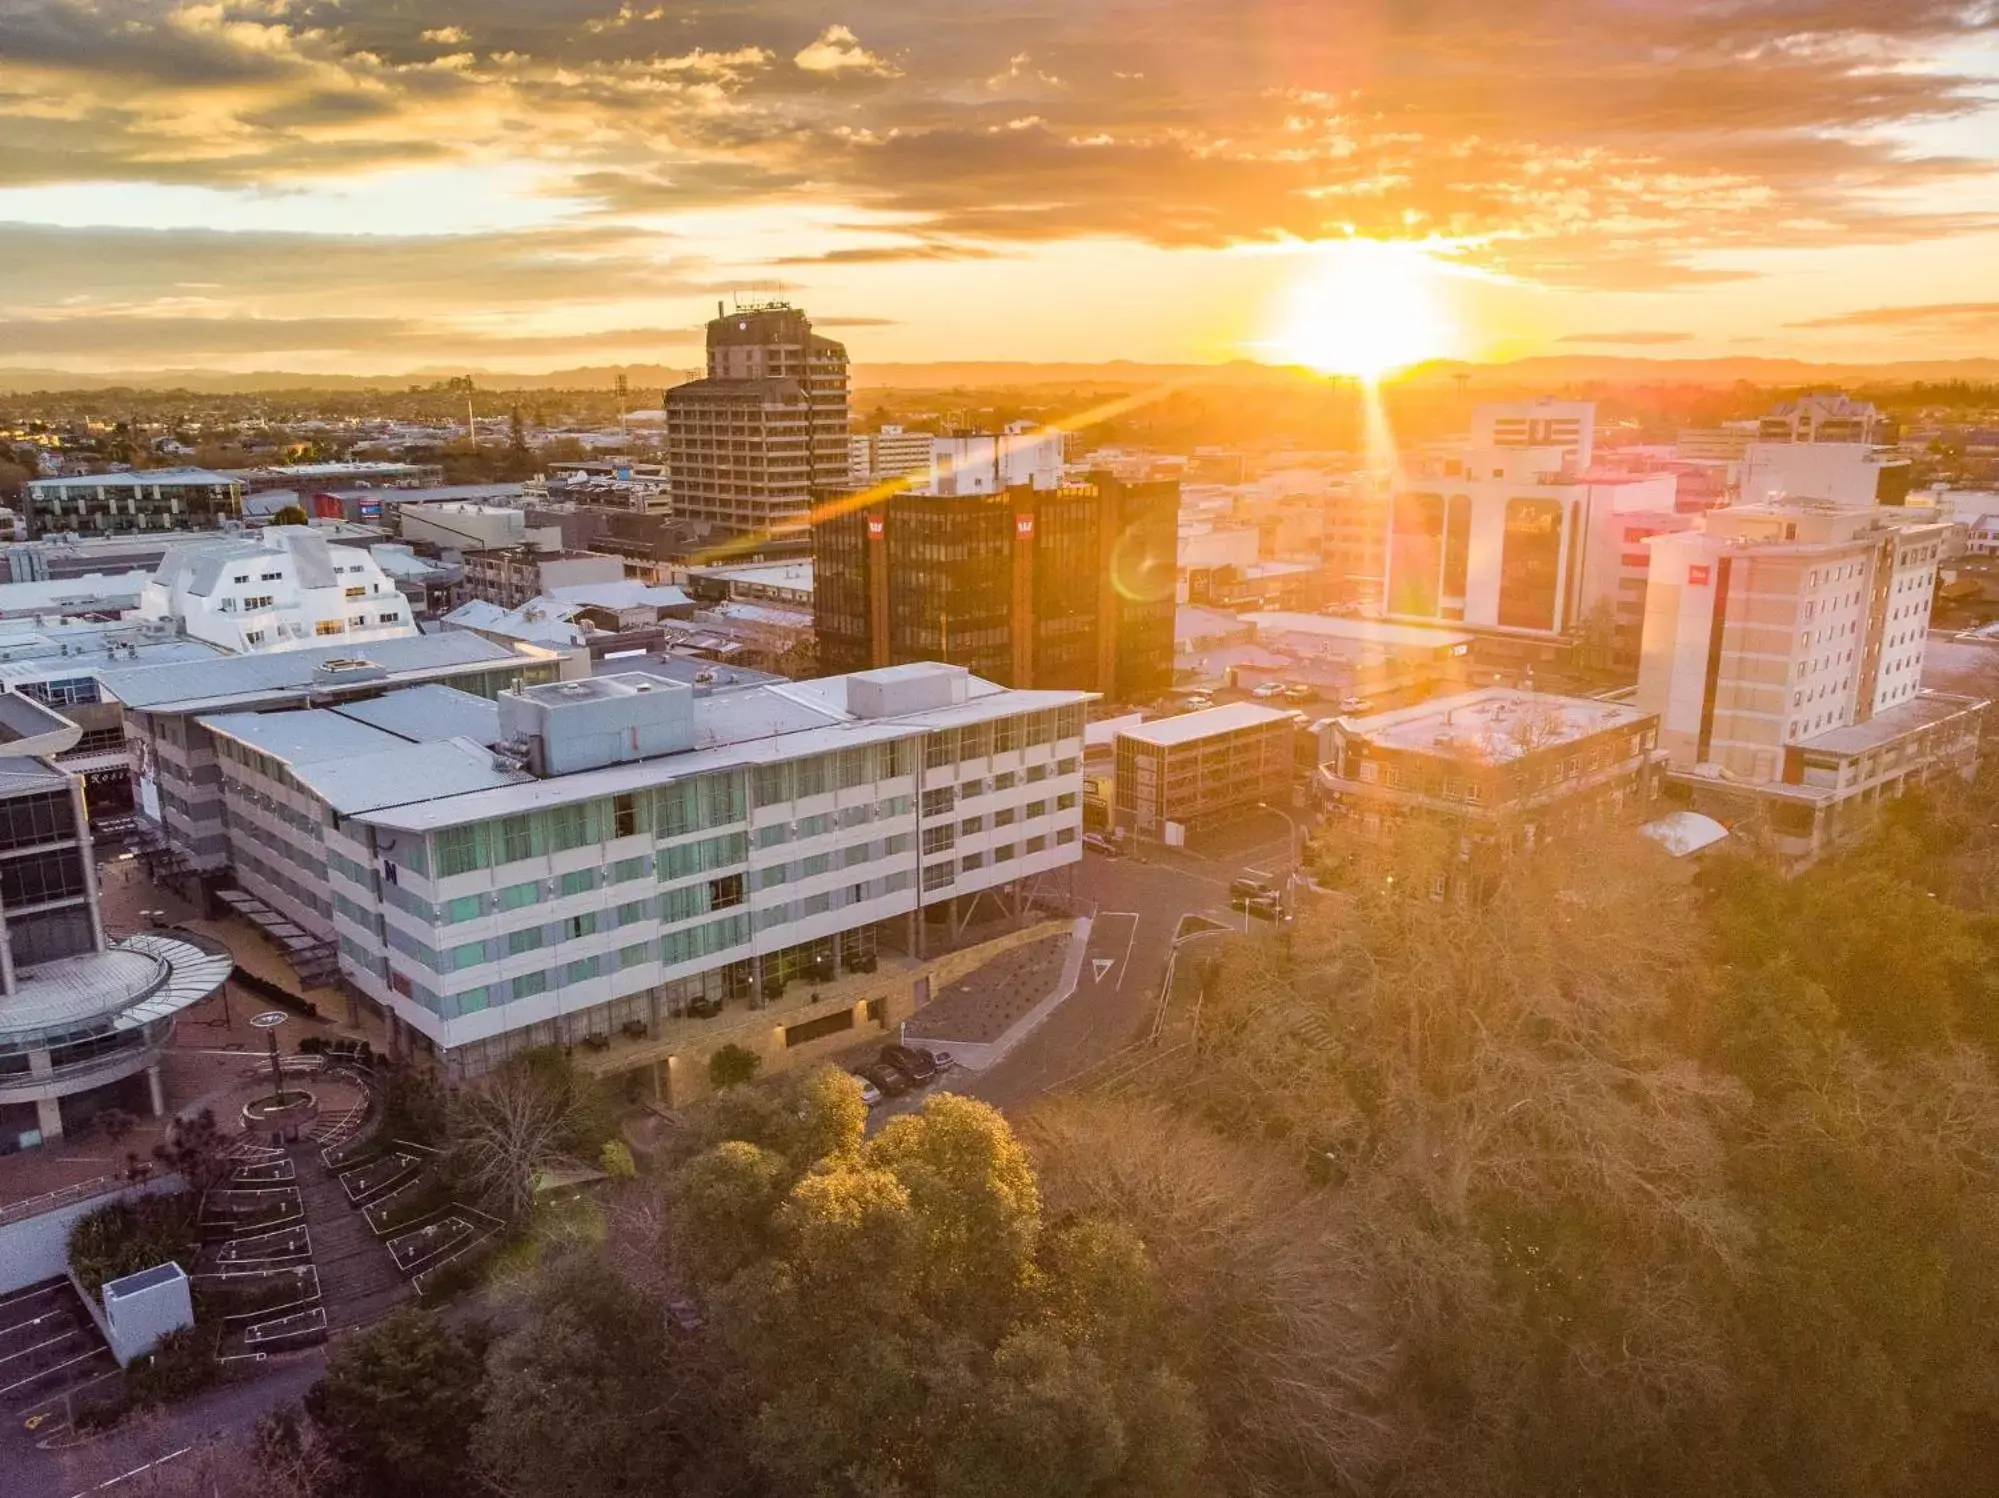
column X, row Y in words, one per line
column 382, row 185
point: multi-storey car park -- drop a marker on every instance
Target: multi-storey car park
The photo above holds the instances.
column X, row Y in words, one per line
column 662, row 864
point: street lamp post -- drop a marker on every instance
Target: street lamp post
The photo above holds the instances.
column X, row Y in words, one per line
column 1291, row 865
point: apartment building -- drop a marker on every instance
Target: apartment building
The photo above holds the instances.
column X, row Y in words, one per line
column 662, row 863
column 1501, row 770
column 890, row 453
column 1783, row 651
column 289, row 590
column 1067, row 586
column 1776, row 622
column 1197, row 771
column 748, row 446
column 83, row 1017
column 113, row 504
column 1827, row 417
column 177, row 784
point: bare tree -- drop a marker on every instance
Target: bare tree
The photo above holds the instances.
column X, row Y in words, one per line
column 509, row 1130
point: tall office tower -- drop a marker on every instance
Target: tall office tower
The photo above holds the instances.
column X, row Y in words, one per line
column 748, row 446
column 1055, row 585
column 1777, row 623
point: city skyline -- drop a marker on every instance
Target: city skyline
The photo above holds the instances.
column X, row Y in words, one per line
column 360, row 188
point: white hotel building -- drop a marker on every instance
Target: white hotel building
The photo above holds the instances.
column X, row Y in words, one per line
column 635, row 860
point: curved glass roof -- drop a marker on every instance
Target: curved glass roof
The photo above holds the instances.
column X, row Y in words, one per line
column 140, row 979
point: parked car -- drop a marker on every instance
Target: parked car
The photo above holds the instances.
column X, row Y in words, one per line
column 870, row 1094
column 891, row 1082
column 1246, row 887
column 1298, row 691
column 1268, row 690
column 1356, row 705
column 942, row 1060
column 1263, row 907
column 1096, row 842
column 1196, row 704
column 911, row 1062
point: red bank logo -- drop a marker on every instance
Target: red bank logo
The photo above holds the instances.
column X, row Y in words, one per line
column 874, row 527
column 1697, row 575
column 1023, row 525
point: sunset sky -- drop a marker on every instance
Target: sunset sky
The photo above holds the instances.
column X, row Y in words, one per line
column 380, row 185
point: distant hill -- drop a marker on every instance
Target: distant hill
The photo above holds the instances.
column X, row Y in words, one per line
column 1543, row 372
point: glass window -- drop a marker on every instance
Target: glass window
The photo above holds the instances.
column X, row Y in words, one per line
column 628, row 868
column 464, row 908
column 527, row 985
column 633, row 955
column 580, row 971
column 578, row 881
column 525, row 940
column 519, row 896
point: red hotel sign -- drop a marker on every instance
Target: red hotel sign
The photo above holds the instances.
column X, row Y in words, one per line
column 874, row 527
column 1697, row 575
column 1023, row 525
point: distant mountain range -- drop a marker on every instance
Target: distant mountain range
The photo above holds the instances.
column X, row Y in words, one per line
column 1547, row 372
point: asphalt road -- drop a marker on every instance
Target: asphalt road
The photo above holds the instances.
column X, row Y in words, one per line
column 27, row 1471
column 1140, row 899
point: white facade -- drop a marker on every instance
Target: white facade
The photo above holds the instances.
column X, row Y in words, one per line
column 1517, row 538
column 289, row 591
column 1847, row 473
column 489, row 907
column 993, row 463
column 1777, row 623
column 890, row 453
column 1569, row 426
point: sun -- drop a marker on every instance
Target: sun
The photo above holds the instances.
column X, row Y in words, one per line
column 1365, row 307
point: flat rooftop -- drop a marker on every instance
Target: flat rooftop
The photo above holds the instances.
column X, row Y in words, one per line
column 795, row 575
column 1918, row 712
column 1188, row 728
column 1376, row 632
column 138, row 477
column 241, row 680
column 94, row 593
column 1494, row 724
column 348, row 755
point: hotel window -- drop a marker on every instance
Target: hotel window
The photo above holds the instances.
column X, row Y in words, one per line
column 329, row 627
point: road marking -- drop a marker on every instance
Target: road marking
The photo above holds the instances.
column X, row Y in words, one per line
column 1129, row 915
column 146, row 1467
column 1101, row 965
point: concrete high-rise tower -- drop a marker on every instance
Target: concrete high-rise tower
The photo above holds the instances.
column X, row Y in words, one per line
column 748, row 446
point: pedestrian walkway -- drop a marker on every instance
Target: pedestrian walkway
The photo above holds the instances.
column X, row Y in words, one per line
column 358, row 1282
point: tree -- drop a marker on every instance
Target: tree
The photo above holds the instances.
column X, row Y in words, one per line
column 590, row 1395
column 398, row 1405
column 291, row 515
column 193, row 1150
column 732, row 1065
column 534, row 1114
column 883, row 1301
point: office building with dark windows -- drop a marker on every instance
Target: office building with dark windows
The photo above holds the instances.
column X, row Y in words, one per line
column 83, row 1017
column 1068, row 586
column 749, row 446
